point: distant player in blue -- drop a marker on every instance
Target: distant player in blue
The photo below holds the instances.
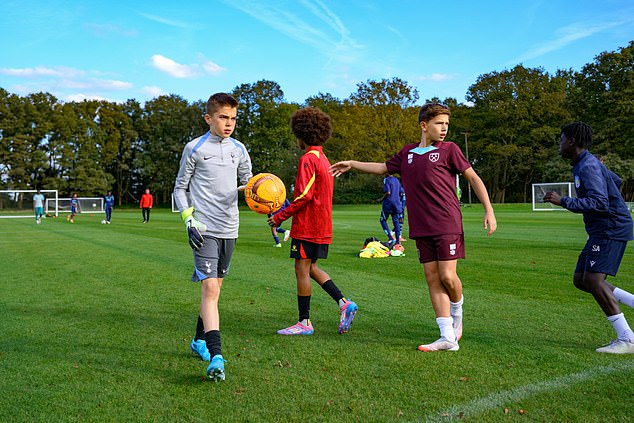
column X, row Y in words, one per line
column 609, row 227
column 74, row 208
column 403, row 205
column 391, row 207
column 108, row 200
column 38, row 205
column 401, row 217
column 279, row 229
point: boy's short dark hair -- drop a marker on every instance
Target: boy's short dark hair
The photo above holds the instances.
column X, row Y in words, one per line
column 580, row 132
column 431, row 110
column 311, row 125
column 218, row 100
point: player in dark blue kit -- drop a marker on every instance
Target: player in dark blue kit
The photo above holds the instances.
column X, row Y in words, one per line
column 609, row 226
column 392, row 206
column 109, row 204
column 74, row 208
column 279, row 229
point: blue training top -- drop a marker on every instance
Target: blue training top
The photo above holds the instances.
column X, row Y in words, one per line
column 393, row 201
column 605, row 213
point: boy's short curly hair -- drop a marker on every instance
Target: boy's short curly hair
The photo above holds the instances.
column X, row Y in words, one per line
column 219, row 100
column 311, row 125
column 431, row 110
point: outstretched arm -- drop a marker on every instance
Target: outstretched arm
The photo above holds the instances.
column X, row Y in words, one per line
column 480, row 190
column 340, row 168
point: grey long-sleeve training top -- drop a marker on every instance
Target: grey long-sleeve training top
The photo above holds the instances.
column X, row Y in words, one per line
column 209, row 169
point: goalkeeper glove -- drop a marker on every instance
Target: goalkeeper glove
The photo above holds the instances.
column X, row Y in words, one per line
column 194, row 227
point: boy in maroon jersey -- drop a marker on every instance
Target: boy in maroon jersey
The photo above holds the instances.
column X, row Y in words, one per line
column 311, row 229
column 428, row 173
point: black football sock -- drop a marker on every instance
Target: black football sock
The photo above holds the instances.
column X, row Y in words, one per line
column 303, row 305
column 200, row 329
column 332, row 290
column 212, row 338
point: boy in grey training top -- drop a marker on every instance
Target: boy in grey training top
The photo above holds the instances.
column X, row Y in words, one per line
column 209, row 169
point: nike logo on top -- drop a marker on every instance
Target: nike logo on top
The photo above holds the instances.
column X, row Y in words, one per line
column 207, row 158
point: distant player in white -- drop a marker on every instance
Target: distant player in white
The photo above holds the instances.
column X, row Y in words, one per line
column 209, row 169
column 38, row 206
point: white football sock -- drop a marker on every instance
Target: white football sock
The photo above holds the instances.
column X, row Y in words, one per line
column 622, row 329
column 456, row 308
column 624, row 297
column 445, row 324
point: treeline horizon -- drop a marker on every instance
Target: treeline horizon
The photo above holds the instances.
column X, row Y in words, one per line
column 508, row 128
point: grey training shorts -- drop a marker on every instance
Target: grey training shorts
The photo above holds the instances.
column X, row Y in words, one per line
column 213, row 259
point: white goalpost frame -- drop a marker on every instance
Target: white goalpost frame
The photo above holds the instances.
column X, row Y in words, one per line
column 539, row 190
column 25, row 200
column 174, row 208
column 86, row 205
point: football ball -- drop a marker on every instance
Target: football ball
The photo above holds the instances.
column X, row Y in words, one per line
column 103, row 222
column 265, row 193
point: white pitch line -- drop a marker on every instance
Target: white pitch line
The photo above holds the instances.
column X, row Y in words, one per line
column 498, row 399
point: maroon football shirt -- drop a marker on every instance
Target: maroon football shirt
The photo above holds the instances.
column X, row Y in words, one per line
column 429, row 180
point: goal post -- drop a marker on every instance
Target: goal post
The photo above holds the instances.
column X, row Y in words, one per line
column 174, row 208
column 17, row 203
column 86, row 205
column 564, row 189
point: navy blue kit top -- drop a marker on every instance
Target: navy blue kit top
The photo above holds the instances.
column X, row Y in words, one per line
column 605, row 213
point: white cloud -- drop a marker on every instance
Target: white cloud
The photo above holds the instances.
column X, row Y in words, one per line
column 67, row 77
column 40, row 71
column 104, row 30
column 436, row 77
column 94, row 84
column 568, row 35
column 152, row 91
column 173, row 68
column 212, row 68
column 165, row 21
column 329, row 35
column 178, row 70
column 109, row 84
column 79, row 97
column 66, row 83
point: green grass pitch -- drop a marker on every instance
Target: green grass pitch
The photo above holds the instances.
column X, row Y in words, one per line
column 96, row 321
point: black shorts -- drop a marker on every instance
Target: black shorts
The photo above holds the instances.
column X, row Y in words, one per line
column 301, row 249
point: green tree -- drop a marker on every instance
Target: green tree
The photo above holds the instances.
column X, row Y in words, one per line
column 88, row 176
column 169, row 122
column 25, row 128
column 602, row 96
column 118, row 134
column 515, row 119
column 383, row 108
column 263, row 125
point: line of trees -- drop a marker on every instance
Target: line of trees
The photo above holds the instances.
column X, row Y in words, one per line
column 508, row 126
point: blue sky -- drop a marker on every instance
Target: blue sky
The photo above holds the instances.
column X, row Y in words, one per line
column 116, row 50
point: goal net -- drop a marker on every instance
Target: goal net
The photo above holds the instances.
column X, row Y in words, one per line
column 19, row 203
column 566, row 189
column 86, row 205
